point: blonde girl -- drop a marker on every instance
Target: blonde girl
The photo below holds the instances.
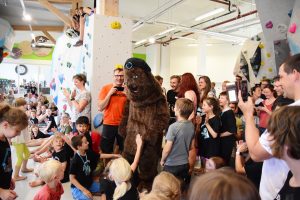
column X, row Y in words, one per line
column 165, row 186
column 19, row 142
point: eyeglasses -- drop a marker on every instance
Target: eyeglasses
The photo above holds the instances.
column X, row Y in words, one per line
column 119, row 76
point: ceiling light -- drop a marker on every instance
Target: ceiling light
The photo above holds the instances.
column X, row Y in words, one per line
column 140, row 42
column 26, row 17
column 151, row 40
column 167, row 31
column 209, row 14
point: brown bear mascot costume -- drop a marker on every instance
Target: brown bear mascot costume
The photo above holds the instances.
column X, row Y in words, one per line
column 145, row 113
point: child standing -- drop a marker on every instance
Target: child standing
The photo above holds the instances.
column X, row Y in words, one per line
column 179, row 139
column 51, row 172
column 82, row 165
column 210, row 129
column 12, row 121
column 19, row 142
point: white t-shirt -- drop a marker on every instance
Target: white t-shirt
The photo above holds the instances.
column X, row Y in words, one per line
column 274, row 171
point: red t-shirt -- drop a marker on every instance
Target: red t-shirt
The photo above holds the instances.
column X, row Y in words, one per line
column 114, row 110
column 45, row 193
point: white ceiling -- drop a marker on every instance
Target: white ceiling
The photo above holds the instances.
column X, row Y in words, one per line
column 181, row 15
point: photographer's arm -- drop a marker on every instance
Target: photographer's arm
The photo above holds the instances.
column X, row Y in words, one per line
column 103, row 103
column 256, row 150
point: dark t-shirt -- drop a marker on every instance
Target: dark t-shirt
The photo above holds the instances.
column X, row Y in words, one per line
column 83, row 166
column 209, row 146
column 287, row 192
column 5, row 164
column 50, row 119
column 171, row 99
column 40, row 135
column 228, row 122
column 62, row 157
column 33, row 120
column 253, row 171
column 108, row 187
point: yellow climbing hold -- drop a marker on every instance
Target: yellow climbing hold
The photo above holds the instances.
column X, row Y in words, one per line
column 262, row 63
column 268, row 55
column 261, row 45
column 115, row 25
column 270, row 69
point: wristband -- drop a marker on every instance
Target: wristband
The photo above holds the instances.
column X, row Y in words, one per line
column 238, row 153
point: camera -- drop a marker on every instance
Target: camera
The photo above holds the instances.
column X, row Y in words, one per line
column 233, row 88
column 119, row 88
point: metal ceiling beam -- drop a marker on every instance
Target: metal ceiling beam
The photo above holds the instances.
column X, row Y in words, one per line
column 38, row 28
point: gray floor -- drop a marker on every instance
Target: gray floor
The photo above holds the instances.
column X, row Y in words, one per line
column 25, row 192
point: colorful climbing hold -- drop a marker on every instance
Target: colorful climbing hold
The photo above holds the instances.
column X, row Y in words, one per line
column 269, row 25
column 270, row 69
column 268, row 55
column 119, row 66
column 290, row 13
column 261, row 45
column 293, row 28
column 115, row 25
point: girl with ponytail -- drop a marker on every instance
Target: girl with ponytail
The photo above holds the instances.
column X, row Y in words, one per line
column 118, row 185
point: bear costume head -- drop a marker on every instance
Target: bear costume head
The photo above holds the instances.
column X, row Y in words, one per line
column 142, row 87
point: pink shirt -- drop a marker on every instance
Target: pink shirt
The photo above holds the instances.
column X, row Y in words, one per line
column 46, row 193
column 264, row 117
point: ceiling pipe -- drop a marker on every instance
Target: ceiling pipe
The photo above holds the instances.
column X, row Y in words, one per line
column 158, row 12
column 214, row 25
column 239, row 16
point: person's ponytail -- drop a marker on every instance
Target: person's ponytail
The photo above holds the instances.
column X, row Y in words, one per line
column 121, row 190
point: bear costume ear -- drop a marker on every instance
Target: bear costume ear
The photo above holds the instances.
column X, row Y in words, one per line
column 136, row 62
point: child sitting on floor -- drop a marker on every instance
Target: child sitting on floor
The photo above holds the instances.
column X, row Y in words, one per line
column 118, row 184
column 51, row 172
column 59, row 154
column 83, row 164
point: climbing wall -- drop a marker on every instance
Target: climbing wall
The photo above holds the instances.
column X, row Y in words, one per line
column 294, row 33
column 255, row 61
column 263, row 54
column 65, row 64
column 107, row 45
column 279, row 22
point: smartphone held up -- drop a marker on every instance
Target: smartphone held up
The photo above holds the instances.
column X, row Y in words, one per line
column 233, row 88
